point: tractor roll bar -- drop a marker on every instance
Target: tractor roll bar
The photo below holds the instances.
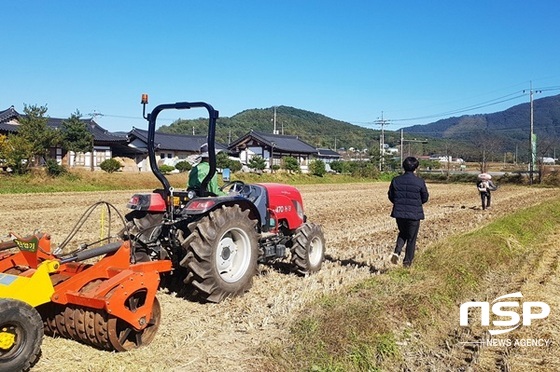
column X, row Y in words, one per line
column 212, row 117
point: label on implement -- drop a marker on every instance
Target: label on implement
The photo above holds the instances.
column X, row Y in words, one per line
column 7, row 279
column 29, row 245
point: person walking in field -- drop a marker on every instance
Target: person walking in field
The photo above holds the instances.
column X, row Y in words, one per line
column 485, row 186
column 408, row 193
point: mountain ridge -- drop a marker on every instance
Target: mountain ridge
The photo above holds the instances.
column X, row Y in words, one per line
column 546, row 121
column 509, row 127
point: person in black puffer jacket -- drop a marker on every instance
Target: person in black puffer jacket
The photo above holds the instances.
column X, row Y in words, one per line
column 408, row 193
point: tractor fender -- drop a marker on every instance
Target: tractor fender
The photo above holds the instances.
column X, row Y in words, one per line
column 202, row 206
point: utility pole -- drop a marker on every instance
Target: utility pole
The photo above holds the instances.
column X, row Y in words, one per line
column 274, row 119
column 94, row 115
column 532, row 136
column 402, row 146
column 533, row 144
column 409, row 141
column 382, row 122
column 271, row 163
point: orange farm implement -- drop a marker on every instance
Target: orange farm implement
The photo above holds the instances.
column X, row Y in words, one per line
column 110, row 304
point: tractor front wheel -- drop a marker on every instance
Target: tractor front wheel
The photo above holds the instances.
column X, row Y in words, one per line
column 221, row 254
column 21, row 334
column 308, row 248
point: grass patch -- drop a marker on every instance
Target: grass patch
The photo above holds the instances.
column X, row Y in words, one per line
column 360, row 328
column 75, row 180
column 82, row 180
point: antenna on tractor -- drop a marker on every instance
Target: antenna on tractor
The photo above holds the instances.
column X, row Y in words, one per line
column 144, row 102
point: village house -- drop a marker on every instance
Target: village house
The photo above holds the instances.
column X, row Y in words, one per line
column 131, row 148
column 170, row 148
column 106, row 145
column 327, row 155
column 272, row 148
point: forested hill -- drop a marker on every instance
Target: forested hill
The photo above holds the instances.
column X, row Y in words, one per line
column 512, row 124
column 315, row 129
column 509, row 128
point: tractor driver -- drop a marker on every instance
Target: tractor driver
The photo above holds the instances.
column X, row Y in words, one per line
column 199, row 172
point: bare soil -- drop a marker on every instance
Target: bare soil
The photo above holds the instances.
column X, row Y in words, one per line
column 211, row 337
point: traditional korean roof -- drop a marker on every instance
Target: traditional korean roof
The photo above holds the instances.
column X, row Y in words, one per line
column 99, row 133
column 8, row 128
column 287, row 144
column 327, row 153
column 9, row 116
column 172, row 141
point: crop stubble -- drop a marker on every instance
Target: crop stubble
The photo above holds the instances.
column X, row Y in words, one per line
column 206, row 337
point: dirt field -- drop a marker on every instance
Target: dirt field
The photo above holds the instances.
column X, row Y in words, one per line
column 205, row 337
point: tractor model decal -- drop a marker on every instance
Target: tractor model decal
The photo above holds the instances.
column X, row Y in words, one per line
column 283, row 208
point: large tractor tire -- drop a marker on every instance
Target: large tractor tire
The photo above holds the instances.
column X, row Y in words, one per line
column 221, row 254
column 308, row 248
column 21, row 334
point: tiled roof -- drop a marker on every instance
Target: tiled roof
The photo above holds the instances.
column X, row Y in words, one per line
column 8, row 128
column 100, row 134
column 328, row 153
column 289, row 144
column 8, row 114
column 172, row 141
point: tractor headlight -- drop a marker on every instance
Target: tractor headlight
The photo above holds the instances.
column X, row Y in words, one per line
column 299, row 210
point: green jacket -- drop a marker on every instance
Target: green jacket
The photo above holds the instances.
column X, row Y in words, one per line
column 197, row 174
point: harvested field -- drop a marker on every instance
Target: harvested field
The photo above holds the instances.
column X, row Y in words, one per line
column 227, row 336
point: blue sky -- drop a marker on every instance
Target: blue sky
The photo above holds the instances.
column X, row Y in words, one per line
column 350, row 60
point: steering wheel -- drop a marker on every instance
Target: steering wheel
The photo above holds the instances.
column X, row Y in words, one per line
column 236, row 186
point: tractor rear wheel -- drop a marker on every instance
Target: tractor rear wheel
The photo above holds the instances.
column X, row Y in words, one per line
column 308, row 248
column 21, row 334
column 221, row 254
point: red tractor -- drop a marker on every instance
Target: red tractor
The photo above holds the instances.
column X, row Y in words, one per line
column 216, row 242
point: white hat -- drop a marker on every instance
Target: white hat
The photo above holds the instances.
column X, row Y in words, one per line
column 204, row 150
column 484, row 176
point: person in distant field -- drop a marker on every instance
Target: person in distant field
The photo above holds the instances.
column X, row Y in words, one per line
column 485, row 186
column 408, row 193
column 199, row 172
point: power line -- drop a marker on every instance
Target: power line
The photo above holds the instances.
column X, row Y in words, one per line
column 131, row 117
column 463, row 131
column 506, row 98
column 467, row 108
